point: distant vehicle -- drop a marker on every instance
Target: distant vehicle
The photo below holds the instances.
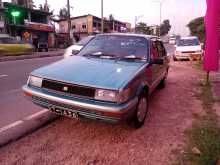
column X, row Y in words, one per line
column 172, row 40
column 110, row 79
column 10, row 46
column 42, row 46
column 74, row 49
column 188, row 48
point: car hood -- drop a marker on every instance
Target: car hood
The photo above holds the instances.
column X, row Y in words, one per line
column 188, row 48
column 94, row 72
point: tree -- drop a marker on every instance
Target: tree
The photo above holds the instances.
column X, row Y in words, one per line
column 112, row 22
column 46, row 6
column 197, row 28
column 143, row 28
column 41, row 7
column 165, row 27
column 63, row 13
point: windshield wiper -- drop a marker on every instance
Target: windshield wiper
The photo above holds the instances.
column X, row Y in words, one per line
column 102, row 55
column 133, row 57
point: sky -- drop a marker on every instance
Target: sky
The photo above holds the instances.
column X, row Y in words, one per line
column 179, row 12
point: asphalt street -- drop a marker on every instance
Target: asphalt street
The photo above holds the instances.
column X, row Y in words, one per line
column 13, row 75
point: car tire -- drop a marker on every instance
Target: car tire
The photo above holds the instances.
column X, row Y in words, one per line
column 141, row 110
column 174, row 59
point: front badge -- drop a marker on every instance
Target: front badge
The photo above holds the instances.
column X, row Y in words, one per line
column 65, row 89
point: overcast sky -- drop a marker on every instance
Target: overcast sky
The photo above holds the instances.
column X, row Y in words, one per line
column 179, row 12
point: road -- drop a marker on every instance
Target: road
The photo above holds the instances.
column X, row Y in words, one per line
column 13, row 75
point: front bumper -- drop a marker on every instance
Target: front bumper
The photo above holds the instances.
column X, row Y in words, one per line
column 90, row 109
column 188, row 56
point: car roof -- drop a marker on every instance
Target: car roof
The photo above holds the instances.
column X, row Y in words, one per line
column 149, row 37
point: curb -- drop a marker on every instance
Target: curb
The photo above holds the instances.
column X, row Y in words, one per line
column 24, row 57
column 26, row 127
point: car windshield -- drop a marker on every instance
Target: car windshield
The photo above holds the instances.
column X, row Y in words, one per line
column 84, row 41
column 117, row 46
column 188, row 42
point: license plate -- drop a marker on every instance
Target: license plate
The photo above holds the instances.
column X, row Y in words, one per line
column 64, row 112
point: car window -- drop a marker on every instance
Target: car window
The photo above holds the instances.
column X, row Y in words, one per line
column 154, row 51
column 188, row 42
column 84, row 41
column 161, row 49
column 119, row 46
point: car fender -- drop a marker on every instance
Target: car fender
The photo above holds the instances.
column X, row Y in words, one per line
column 143, row 87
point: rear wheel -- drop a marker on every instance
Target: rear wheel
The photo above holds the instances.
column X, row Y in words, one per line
column 174, row 58
column 141, row 111
column 162, row 83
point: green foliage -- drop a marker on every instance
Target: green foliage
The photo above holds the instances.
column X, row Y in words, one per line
column 63, row 13
column 197, row 28
column 165, row 27
column 143, row 28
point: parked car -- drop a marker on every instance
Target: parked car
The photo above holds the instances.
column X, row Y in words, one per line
column 110, row 80
column 42, row 46
column 10, row 46
column 188, row 48
column 172, row 40
column 74, row 49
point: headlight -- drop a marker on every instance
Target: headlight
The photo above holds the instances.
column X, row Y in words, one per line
column 35, row 81
column 178, row 53
column 106, row 95
column 199, row 51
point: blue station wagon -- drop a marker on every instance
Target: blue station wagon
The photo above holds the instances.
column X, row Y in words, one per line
column 110, row 79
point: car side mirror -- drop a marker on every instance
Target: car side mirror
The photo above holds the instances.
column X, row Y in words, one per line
column 75, row 52
column 157, row 61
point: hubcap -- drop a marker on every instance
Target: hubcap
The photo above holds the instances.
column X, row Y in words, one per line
column 142, row 109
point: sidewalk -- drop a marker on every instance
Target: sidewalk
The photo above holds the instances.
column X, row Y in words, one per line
column 52, row 53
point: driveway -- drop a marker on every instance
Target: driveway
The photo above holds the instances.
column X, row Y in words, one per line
column 68, row 141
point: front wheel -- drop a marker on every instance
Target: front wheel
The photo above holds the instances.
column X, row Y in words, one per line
column 174, row 58
column 141, row 111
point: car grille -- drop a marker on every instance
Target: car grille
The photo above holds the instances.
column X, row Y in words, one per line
column 69, row 89
column 47, row 103
column 189, row 52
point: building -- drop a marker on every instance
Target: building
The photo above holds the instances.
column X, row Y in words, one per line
column 29, row 24
column 24, row 3
column 85, row 25
column 2, row 20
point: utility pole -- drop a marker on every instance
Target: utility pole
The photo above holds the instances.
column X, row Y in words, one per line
column 102, row 24
column 69, row 21
column 160, row 3
column 160, row 17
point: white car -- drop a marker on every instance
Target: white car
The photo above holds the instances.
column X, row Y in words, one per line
column 188, row 48
column 74, row 49
column 172, row 40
